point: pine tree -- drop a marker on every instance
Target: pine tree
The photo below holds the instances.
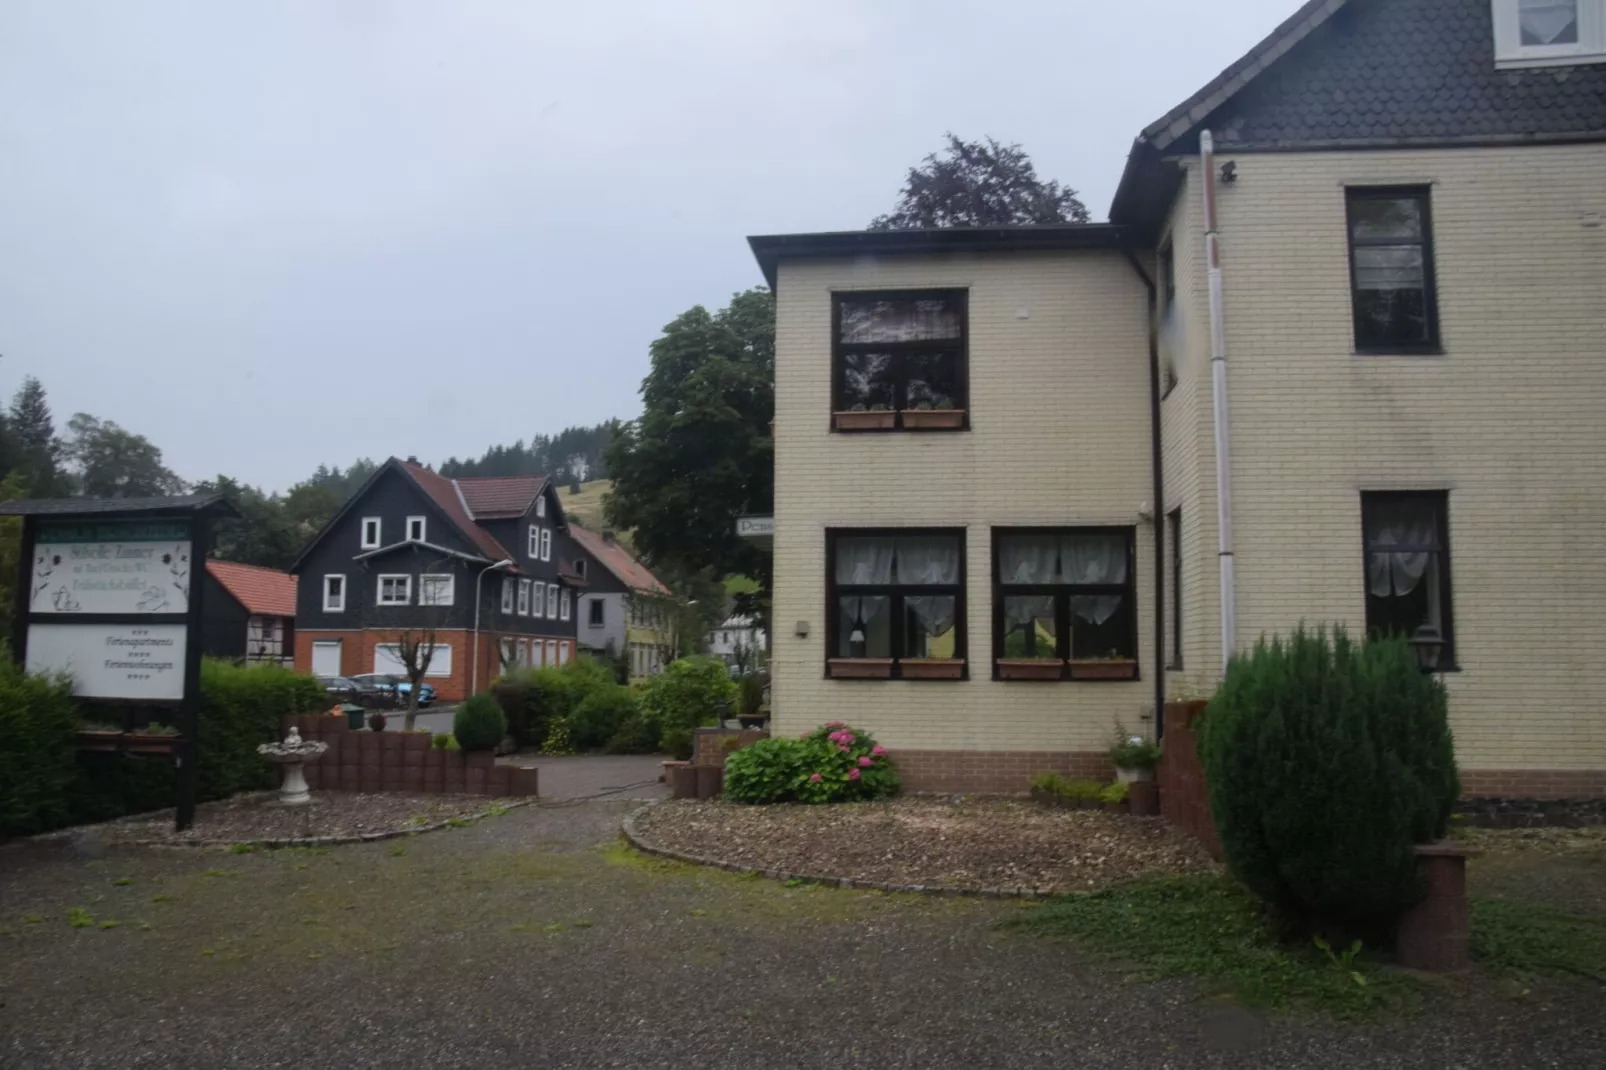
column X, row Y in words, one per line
column 34, row 433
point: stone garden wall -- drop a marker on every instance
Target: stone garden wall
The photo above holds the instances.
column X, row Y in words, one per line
column 362, row 760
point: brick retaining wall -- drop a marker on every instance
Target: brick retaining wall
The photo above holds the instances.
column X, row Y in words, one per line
column 993, row 772
column 708, row 744
column 403, row 761
column 1184, row 798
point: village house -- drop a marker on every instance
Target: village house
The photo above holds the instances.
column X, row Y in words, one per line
column 1341, row 342
column 625, row 611
column 484, row 566
column 250, row 613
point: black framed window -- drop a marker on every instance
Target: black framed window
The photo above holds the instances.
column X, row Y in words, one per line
column 596, row 612
column 1391, row 269
column 896, row 603
column 1064, row 606
column 1173, row 535
column 899, row 361
column 1408, row 566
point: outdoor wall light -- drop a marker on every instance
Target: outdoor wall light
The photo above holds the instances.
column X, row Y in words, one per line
column 801, row 629
column 1428, row 645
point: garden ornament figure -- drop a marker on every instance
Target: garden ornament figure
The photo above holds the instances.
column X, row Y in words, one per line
column 292, row 754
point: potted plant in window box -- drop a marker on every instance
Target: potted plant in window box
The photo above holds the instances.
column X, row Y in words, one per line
column 866, row 418
column 1030, row 668
column 1113, row 666
column 155, row 739
column 860, row 668
column 931, row 668
column 934, row 414
column 95, row 735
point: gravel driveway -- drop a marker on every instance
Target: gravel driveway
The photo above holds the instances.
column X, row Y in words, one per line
column 532, row 939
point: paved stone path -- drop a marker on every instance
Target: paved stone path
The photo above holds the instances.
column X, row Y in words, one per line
column 534, row 940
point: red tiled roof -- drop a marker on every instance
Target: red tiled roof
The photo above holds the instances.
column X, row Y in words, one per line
column 491, row 497
column 616, row 559
column 266, row 591
column 444, row 492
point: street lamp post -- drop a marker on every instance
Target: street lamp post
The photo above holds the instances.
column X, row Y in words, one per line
column 474, row 668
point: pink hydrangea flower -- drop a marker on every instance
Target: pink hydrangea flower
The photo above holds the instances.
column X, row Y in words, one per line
column 814, row 778
column 853, row 774
column 865, row 761
column 878, row 750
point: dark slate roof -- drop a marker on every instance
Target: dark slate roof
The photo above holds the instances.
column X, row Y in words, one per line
column 174, row 505
column 771, row 249
column 1366, row 74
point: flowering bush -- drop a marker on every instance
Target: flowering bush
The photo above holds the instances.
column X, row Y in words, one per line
column 834, row 763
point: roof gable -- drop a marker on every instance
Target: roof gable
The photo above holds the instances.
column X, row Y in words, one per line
column 617, row 560
column 447, row 495
column 265, row 591
column 500, row 497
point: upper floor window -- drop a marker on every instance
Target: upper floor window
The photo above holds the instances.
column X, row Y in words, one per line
column 1537, row 33
column 524, row 598
column 899, row 361
column 436, row 588
column 580, row 567
column 334, row 594
column 540, row 506
column 597, row 611
column 1391, row 270
column 533, row 546
column 370, row 532
column 546, row 544
column 552, row 601
column 395, row 590
column 1408, row 567
column 1064, row 606
column 896, row 600
column 415, row 529
column 507, row 594
column 563, row 606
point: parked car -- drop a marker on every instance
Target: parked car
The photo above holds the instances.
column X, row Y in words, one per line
column 340, row 688
column 426, row 693
column 391, row 691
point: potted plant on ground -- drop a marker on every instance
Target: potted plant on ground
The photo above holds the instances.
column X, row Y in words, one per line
column 1134, row 757
column 862, row 417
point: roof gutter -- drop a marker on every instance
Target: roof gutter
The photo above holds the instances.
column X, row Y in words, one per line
column 1157, row 479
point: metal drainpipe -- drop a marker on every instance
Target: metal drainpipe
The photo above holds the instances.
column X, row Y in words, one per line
column 1157, row 475
column 1218, row 397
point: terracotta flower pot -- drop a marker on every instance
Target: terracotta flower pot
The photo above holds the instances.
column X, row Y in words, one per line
column 1103, row 669
column 880, row 420
column 1030, row 668
column 860, row 668
column 928, row 419
column 932, row 668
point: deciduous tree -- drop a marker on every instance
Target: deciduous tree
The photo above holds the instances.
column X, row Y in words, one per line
column 979, row 184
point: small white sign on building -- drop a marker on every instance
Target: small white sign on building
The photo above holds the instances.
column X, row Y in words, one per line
column 755, row 527
column 134, row 661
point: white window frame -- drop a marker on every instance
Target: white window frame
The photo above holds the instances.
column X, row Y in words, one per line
column 334, row 605
column 524, row 598
column 507, row 594
column 1510, row 52
column 546, row 544
column 565, row 609
column 407, row 589
column 551, row 601
column 532, row 547
column 371, row 543
column 540, row 506
column 563, row 653
column 429, row 580
column 423, row 528
column 551, row 651
column 387, row 659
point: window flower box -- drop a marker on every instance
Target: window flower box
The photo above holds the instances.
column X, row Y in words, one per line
column 95, row 740
column 130, row 742
column 1030, row 668
column 860, row 668
column 932, row 668
column 1104, row 669
column 866, row 420
column 933, row 419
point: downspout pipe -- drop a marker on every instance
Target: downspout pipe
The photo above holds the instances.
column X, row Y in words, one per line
column 1157, row 476
column 1218, row 397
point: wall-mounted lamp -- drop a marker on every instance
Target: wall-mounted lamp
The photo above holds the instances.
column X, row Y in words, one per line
column 801, row 629
column 1229, row 172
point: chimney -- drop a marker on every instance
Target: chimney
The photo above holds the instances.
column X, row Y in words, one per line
column 607, row 537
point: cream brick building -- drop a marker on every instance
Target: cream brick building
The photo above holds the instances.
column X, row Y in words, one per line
column 1410, row 199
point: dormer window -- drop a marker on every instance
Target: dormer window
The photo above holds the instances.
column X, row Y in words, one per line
column 1539, row 33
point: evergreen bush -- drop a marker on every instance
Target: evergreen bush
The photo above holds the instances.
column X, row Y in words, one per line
column 1327, row 761
column 636, row 735
column 38, row 748
column 597, row 718
column 479, row 723
column 688, row 694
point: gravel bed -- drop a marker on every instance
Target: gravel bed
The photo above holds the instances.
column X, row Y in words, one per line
column 970, row 844
column 331, row 816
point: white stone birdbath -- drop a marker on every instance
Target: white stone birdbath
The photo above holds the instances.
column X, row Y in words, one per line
column 292, row 754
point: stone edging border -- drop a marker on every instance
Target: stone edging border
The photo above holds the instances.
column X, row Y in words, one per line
column 67, row 835
column 635, row 839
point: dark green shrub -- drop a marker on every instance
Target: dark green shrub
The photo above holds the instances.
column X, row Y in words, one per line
column 512, row 693
column 690, row 693
column 636, row 735
column 38, row 749
column 479, row 723
column 549, row 693
column 241, row 707
column 834, row 763
column 1327, row 761
column 750, row 696
column 598, row 716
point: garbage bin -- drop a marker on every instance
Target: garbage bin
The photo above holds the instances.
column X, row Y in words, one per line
column 354, row 715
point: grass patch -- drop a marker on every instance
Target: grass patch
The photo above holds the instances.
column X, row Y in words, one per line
column 243, row 848
column 1527, row 938
column 110, row 924
column 123, row 882
column 397, row 852
column 79, row 918
column 1210, row 928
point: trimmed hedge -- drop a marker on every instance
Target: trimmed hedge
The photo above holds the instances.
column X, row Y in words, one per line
column 1327, row 761
column 38, row 726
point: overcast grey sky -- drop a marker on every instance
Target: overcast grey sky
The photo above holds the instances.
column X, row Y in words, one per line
column 272, row 234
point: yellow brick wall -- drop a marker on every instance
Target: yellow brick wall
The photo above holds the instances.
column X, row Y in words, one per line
column 1511, row 420
column 1060, row 436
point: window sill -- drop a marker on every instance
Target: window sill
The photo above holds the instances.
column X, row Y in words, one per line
column 1433, row 349
column 912, row 420
column 859, row 668
column 1103, row 669
column 906, row 668
column 931, row 668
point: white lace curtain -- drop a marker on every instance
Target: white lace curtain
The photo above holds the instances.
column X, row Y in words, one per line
column 860, row 612
column 1402, row 540
column 861, row 561
column 919, row 560
column 934, row 613
column 928, row 559
column 1084, row 558
column 898, row 321
column 1020, row 612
